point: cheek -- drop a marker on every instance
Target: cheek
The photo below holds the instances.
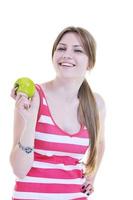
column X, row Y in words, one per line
column 85, row 61
column 56, row 56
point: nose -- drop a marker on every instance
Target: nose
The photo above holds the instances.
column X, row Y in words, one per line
column 67, row 55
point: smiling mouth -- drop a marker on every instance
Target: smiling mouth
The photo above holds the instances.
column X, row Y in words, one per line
column 65, row 64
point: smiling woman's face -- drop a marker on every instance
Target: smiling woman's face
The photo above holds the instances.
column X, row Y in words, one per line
column 70, row 59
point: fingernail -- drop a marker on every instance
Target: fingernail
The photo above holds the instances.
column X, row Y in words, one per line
column 83, row 175
column 84, row 191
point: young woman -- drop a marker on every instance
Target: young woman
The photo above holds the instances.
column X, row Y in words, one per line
column 59, row 134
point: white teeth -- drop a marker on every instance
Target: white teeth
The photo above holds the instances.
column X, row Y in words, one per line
column 67, row 64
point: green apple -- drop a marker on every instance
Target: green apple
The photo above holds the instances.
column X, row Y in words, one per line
column 25, row 85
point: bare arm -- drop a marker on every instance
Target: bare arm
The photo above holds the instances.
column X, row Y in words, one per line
column 24, row 131
column 101, row 144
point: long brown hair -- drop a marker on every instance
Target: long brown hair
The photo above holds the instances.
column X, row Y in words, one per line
column 87, row 109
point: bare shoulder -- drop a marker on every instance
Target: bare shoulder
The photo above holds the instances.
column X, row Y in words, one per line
column 100, row 105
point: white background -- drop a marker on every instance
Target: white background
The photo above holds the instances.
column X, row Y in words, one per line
column 28, row 29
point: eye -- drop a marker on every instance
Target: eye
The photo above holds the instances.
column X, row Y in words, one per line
column 61, row 49
column 78, row 50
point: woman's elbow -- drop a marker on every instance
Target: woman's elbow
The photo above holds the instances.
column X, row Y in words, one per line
column 20, row 170
column 19, row 174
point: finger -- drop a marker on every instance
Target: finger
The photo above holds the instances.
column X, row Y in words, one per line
column 90, row 190
column 20, row 94
column 13, row 93
column 88, row 181
column 89, row 185
column 27, row 104
column 85, row 185
column 22, row 102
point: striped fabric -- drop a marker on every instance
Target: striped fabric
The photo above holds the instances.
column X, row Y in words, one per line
column 57, row 172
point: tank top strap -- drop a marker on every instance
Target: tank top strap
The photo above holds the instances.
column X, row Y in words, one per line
column 43, row 108
column 38, row 88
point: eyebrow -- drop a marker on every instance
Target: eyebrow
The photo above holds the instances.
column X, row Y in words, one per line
column 76, row 45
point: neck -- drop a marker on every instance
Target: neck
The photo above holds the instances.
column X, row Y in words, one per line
column 67, row 89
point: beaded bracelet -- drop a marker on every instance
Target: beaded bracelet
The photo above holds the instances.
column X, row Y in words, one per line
column 25, row 149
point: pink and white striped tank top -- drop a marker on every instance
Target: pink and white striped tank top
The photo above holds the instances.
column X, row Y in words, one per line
column 57, row 170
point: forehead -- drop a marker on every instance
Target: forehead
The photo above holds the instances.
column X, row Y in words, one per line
column 71, row 39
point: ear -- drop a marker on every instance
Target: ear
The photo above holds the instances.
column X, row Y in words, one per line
column 88, row 68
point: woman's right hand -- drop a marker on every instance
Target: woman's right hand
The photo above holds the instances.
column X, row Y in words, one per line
column 28, row 108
